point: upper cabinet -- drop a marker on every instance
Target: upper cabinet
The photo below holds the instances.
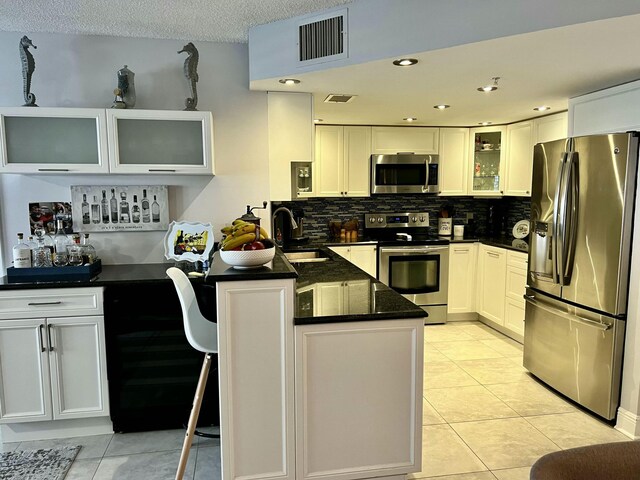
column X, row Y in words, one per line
column 454, row 154
column 551, row 127
column 153, row 141
column 342, row 161
column 290, row 121
column 519, row 162
column 487, row 161
column 392, row 140
column 88, row 140
column 53, row 140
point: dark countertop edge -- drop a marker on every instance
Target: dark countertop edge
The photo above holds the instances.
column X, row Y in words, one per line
column 364, row 317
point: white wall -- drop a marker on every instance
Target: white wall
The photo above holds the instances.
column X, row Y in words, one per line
column 80, row 71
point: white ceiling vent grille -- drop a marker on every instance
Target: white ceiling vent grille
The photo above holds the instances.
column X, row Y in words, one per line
column 339, row 98
column 323, row 39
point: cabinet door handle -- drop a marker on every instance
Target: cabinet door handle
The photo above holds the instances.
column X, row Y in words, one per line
column 42, row 349
column 528, row 192
column 493, row 254
column 461, row 250
column 36, row 304
column 169, row 170
column 501, row 192
column 49, row 327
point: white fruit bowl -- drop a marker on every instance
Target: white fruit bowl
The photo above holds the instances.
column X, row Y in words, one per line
column 245, row 259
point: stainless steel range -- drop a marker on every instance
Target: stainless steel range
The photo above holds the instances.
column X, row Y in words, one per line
column 412, row 261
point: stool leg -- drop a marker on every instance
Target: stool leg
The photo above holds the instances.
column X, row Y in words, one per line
column 193, row 418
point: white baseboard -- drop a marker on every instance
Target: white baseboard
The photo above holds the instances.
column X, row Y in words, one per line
column 628, row 423
column 462, row 317
column 24, row 432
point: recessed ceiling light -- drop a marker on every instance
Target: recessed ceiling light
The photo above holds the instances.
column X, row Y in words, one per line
column 317, row 120
column 441, row 107
column 289, row 81
column 543, row 108
column 490, row 88
column 405, row 62
column 485, row 123
column 410, row 119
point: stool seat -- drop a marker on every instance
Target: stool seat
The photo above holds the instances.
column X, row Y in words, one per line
column 203, row 336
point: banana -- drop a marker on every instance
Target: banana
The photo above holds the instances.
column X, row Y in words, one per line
column 263, row 233
column 227, row 229
column 245, row 228
column 237, row 241
column 238, row 221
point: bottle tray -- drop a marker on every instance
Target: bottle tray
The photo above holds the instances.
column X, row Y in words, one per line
column 54, row 274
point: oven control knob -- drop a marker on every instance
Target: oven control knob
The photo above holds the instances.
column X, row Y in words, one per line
column 413, row 219
column 380, row 220
column 372, row 220
column 422, row 219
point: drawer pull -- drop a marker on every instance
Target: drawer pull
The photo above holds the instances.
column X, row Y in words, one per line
column 53, row 169
column 42, row 349
column 170, row 170
column 49, row 327
column 37, row 304
column 492, row 254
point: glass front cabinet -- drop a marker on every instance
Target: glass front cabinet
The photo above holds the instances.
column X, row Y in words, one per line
column 487, row 161
column 53, row 140
column 154, row 141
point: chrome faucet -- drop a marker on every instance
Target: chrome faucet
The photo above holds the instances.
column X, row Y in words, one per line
column 294, row 224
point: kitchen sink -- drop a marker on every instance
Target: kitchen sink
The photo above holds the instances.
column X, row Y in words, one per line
column 308, row 256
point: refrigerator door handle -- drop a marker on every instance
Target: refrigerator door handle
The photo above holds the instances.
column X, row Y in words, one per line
column 571, row 217
column 548, row 308
column 557, row 254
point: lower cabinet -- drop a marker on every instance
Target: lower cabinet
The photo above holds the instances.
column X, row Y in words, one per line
column 462, row 278
column 502, row 278
column 365, row 257
column 359, row 399
column 62, row 363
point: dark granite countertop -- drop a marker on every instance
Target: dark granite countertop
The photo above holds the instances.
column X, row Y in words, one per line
column 338, row 291
column 279, row 267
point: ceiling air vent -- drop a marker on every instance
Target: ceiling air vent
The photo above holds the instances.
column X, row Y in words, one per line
column 323, row 39
column 339, row 98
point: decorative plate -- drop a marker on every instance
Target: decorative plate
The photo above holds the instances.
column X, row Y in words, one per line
column 521, row 229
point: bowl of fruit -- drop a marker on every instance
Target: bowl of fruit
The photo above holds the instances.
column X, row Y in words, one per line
column 246, row 246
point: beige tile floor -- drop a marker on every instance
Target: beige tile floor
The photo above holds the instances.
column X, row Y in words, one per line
column 484, row 416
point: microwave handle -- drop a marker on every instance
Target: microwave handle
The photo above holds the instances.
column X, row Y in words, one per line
column 426, row 182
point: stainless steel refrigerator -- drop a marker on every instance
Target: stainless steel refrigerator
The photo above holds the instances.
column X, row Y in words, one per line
column 582, row 201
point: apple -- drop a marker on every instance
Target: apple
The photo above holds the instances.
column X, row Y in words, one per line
column 257, row 245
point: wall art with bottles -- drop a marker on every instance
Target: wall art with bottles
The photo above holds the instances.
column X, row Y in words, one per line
column 104, row 208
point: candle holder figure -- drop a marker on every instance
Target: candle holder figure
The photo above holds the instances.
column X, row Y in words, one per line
column 191, row 72
column 28, row 66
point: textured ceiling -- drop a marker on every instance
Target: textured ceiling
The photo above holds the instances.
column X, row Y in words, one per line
column 211, row 20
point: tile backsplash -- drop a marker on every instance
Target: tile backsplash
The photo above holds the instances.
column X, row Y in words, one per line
column 490, row 216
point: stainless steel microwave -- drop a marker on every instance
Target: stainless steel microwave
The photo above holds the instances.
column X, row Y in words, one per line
column 404, row 173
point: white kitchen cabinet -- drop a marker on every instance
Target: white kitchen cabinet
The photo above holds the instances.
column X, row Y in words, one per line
column 492, row 263
column 352, row 380
column 342, row 161
column 256, row 370
column 519, row 159
column 516, row 282
column 487, row 161
column 462, row 278
column 365, row 257
column 290, row 121
column 392, row 140
column 62, row 359
column 453, row 156
column 53, row 140
column 160, row 141
column 550, row 127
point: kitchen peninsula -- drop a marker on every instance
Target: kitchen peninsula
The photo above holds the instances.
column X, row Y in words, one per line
column 312, row 361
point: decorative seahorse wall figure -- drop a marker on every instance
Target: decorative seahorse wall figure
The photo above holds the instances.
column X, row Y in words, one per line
column 28, row 66
column 191, row 72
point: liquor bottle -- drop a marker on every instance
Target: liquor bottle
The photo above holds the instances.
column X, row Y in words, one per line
column 32, row 244
column 95, row 210
column 114, row 206
column 146, row 218
column 61, row 240
column 135, row 210
column 89, row 254
column 85, row 210
column 125, row 217
column 21, row 254
column 104, row 205
column 155, row 211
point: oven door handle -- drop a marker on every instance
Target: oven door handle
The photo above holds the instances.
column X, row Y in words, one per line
column 409, row 250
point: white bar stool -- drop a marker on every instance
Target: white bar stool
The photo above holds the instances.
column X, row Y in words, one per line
column 203, row 336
